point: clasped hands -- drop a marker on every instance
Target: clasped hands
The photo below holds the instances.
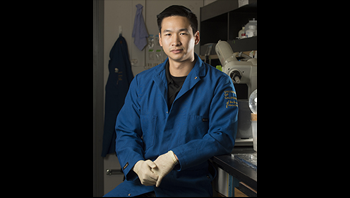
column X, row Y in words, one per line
column 151, row 173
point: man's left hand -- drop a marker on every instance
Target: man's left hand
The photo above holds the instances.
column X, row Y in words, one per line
column 165, row 163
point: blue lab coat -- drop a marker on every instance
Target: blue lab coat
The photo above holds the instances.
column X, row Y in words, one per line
column 201, row 123
column 119, row 79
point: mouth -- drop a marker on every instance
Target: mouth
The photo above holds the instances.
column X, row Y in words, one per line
column 176, row 51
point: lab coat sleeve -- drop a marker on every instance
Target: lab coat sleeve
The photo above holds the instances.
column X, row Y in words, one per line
column 129, row 145
column 221, row 135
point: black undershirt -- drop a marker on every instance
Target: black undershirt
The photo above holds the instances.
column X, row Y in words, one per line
column 174, row 85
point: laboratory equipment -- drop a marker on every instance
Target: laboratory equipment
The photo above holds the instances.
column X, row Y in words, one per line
column 159, row 55
column 207, row 53
column 253, row 101
column 157, row 40
column 241, row 72
column 244, row 77
column 154, row 53
column 151, row 54
column 255, row 130
column 241, row 33
column 252, row 25
column 150, row 41
column 253, row 105
column 251, row 31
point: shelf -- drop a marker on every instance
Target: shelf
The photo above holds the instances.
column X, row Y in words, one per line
column 247, row 44
column 220, row 7
column 217, row 8
column 214, row 56
column 222, row 20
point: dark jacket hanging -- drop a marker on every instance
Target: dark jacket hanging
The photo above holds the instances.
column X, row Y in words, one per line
column 119, row 79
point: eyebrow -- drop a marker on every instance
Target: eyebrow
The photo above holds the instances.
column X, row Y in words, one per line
column 180, row 30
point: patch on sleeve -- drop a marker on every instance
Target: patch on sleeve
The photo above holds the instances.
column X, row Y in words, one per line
column 230, row 99
column 126, row 165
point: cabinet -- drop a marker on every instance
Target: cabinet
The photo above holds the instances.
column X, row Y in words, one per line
column 222, row 20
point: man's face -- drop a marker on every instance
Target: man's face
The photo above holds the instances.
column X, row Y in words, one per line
column 177, row 38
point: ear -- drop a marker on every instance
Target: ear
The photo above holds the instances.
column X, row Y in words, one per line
column 197, row 38
column 160, row 40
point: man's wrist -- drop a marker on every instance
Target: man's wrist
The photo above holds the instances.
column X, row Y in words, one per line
column 134, row 168
column 174, row 157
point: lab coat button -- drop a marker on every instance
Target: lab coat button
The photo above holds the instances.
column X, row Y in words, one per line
column 195, row 77
column 166, row 112
column 129, row 194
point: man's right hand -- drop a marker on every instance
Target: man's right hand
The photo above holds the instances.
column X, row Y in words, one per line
column 144, row 170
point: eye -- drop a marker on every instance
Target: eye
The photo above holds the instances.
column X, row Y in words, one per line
column 183, row 33
column 168, row 34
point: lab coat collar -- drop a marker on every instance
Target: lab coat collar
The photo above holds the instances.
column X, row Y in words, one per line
column 198, row 71
column 201, row 69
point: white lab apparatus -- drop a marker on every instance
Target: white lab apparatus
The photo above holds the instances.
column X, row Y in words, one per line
column 255, row 131
column 253, row 105
column 251, row 28
column 244, row 77
column 241, row 33
column 251, row 31
column 244, row 72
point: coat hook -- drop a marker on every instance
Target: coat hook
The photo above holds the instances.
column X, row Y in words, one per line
column 120, row 30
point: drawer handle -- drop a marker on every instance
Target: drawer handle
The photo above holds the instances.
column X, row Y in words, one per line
column 114, row 171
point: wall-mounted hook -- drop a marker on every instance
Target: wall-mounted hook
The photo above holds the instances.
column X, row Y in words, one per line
column 120, row 30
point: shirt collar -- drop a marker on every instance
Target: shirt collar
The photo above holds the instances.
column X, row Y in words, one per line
column 167, row 72
column 197, row 70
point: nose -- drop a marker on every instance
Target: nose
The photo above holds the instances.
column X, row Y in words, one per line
column 175, row 40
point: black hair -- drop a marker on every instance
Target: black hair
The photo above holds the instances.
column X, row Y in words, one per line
column 178, row 10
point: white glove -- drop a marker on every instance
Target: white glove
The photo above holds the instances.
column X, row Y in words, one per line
column 164, row 164
column 144, row 170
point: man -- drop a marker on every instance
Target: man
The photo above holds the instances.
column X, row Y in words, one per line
column 175, row 117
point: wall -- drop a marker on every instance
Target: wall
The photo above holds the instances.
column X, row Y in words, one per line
column 98, row 95
column 118, row 13
column 122, row 13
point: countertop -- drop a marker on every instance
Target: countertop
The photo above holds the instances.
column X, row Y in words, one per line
column 241, row 164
